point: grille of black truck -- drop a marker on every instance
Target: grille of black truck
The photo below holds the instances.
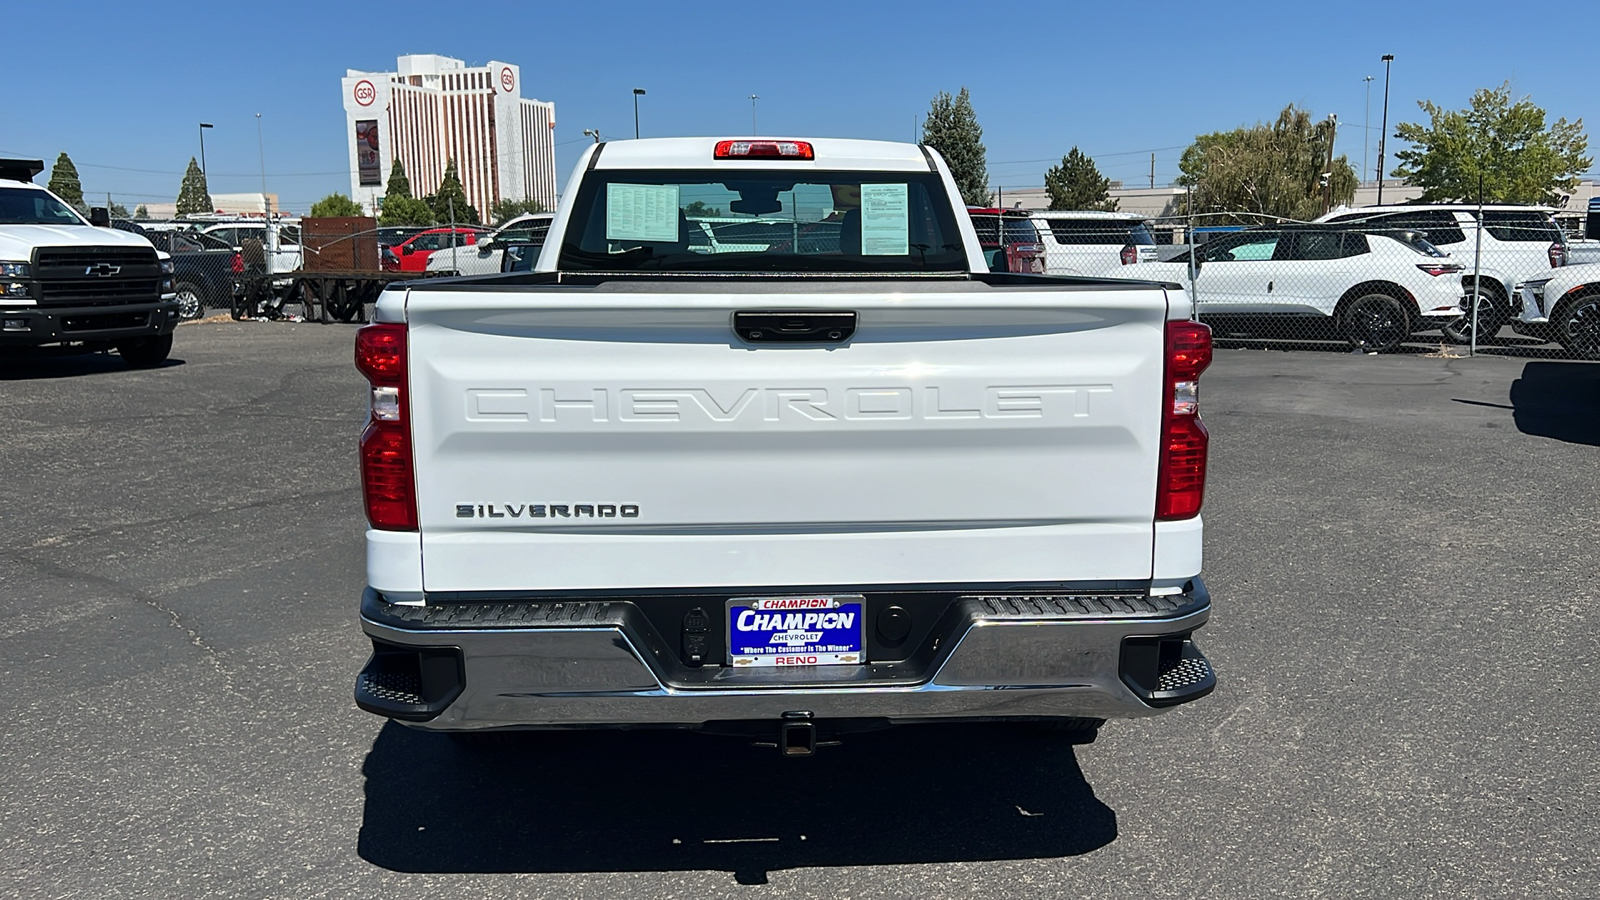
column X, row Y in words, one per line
column 105, row 321
column 97, row 276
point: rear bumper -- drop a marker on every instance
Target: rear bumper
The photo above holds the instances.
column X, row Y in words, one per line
column 35, row 326
column 594, row 663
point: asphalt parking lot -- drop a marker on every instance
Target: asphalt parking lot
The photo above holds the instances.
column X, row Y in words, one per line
column 1401, row 550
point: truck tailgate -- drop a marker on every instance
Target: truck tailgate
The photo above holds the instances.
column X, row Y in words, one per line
column 622, row 436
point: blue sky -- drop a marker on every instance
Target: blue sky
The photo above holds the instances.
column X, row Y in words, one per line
column 1117, row 79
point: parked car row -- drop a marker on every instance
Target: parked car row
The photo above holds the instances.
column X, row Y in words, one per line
column 414, row 253
column 1376, row 287
column 488, row 251
column 204, row 266
column 1514, row 244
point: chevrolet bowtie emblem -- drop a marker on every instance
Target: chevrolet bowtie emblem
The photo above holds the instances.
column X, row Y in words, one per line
column 104, row 270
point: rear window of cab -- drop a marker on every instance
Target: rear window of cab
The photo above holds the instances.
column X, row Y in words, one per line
column 759, row 220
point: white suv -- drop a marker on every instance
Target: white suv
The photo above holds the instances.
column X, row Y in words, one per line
column 1088, row 242
column 286, row 254
column 1563, row 305
column 1519, row 242
column 1377, row 288
column 486, row 256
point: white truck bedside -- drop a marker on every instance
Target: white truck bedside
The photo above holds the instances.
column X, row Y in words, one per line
column 834, row 476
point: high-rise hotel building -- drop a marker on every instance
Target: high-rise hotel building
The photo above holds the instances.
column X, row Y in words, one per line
column 433, row 109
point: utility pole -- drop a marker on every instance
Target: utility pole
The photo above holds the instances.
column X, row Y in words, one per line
column 1327, row 170
column 1388, row 58
column 753, row 99
column 1152, row 171
column 1366, row 131
column 637, row 93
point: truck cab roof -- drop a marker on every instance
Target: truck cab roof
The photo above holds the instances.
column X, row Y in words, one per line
column 836, row 154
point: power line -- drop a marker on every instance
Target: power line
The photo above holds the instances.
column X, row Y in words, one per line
column 1007, row 162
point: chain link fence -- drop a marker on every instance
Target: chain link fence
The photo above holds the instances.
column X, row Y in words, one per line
column 1437, row 280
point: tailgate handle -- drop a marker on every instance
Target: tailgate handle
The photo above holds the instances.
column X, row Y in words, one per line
column 794, row 326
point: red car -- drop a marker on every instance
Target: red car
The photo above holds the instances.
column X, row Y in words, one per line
column 1019, row 251
column 413, row 252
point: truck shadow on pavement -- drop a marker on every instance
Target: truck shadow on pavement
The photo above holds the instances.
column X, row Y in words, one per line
column 32, row 366
column 672, row 801
column 1559, row 400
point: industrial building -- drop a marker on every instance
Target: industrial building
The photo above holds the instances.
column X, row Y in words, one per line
column 433, row 109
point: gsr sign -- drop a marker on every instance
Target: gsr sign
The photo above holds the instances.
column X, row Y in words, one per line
column 1042, row 402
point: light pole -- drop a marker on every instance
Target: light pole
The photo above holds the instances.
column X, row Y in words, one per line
column 753, row 99
column 1384, row 135
column 269, row 238
column 592, row 132
column 203, row 127
column 637, row 93
column 1366, row 130
column 261, row 147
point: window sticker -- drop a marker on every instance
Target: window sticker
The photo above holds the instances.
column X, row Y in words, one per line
column 885, row 220
column 642, row 212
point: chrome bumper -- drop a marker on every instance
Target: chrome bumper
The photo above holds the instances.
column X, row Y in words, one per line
column 599, row 664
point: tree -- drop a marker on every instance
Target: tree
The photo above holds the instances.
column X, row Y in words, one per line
column 506, row 210
column 141, row 212
column 952, row 129
column 193, row 196
column 1077, row 184
column 1503, row 145
column 399, row 184
column 404, row 210
column 700, row 209
column 64, row 182
column 1270, row 171
column 117, row 211
column 336, row 205
column 449, row 202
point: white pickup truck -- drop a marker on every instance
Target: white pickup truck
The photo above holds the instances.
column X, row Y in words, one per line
column 843, row 480
column 76, row 284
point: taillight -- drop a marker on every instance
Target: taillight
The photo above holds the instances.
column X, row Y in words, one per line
column 768, row 149
column 238, row 264
column 1130, row 255
column 1181, row 478
column 388, row 482
column 1437, row 269
column 1558, row 255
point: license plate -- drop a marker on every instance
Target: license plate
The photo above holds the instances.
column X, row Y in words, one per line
column 797, row 631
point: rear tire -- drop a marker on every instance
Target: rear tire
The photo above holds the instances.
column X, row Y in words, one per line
column 146, row 352
column 1577, row 327
column 1492, row 316
column 1375, row 322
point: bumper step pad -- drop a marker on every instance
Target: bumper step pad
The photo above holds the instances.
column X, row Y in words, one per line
column 1082, row 606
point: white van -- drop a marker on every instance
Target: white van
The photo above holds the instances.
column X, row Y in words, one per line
column 1090, row 242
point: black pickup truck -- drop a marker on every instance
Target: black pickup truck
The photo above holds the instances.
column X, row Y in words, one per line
column 204, row 268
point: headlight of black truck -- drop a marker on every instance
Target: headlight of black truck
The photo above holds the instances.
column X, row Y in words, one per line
column 14, row 279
